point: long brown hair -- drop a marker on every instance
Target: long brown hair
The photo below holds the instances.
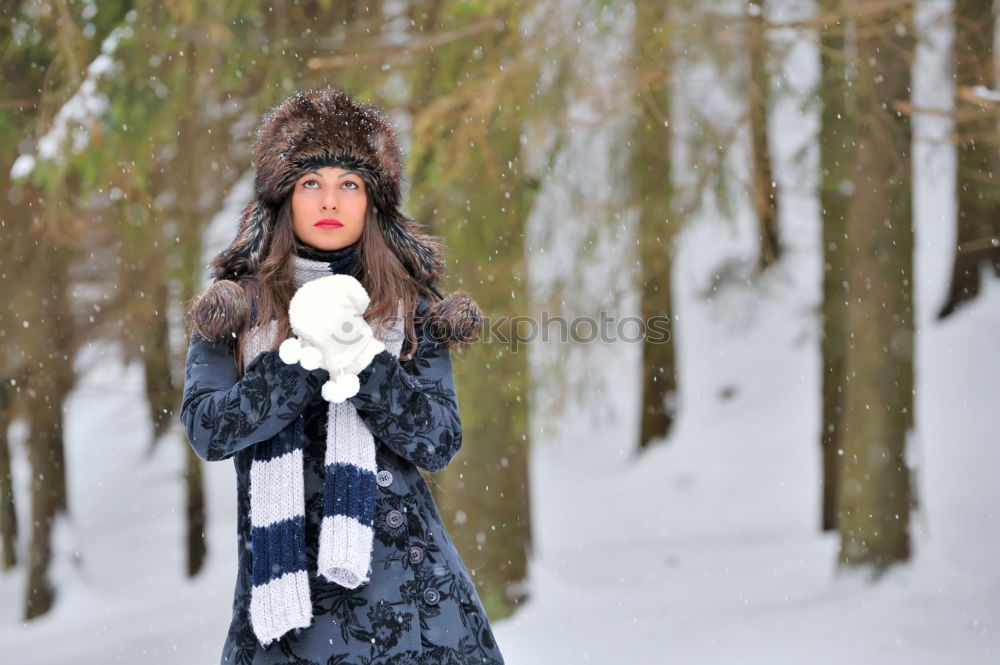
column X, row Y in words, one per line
column 269, row 291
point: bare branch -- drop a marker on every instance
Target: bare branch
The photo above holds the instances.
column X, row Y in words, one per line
column 979, row 245
column 979, row 95
column 404, row 52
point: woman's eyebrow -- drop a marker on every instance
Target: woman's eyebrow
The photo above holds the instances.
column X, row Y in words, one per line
column 316, row 172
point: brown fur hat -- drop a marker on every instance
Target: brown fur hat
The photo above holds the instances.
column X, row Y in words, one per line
column 308, row 130
column 312, row 129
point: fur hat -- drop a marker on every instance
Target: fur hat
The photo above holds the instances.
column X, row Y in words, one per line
column 309, row 130
column 312, row 129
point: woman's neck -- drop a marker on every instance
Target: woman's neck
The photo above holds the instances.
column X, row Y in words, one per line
column 329, row 256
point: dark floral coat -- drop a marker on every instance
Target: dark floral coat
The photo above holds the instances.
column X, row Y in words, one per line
column 420, row 606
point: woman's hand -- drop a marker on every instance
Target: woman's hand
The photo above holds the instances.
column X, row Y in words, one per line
column 327, row 316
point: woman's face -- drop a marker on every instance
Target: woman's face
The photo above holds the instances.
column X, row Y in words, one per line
column 328, row 208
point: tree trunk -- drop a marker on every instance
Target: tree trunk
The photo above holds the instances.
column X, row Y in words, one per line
column 191, row 178
column 195, row 512
column 8, row 513
column 652, row 178
column 50, row 382
column 485, row 491
column 162, row 396
column 874, row 493
column 483, row 494
column 45, row 439
column 835, row 141
column 764, row 194
column 978, row 219
column 196, row 546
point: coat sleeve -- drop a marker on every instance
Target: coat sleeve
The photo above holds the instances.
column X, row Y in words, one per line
column 223, row 413
column 412, row 409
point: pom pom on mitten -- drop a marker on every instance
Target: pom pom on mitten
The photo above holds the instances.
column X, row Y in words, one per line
column 311, row 358
column 338, row 389
column 294, row 351
column 290, row 351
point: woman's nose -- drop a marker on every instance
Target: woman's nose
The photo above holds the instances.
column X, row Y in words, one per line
column 329, row 201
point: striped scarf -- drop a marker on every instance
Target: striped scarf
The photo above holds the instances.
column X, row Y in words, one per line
column 279, row 597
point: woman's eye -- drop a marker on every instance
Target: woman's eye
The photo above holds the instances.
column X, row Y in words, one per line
column 310, row 184
column 353, row 185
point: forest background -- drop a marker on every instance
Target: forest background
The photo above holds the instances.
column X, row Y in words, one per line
column 568, row 153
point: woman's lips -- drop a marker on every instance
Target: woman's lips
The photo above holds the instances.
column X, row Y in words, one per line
column 328, row 224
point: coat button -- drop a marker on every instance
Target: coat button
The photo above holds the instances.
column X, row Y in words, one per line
column 394, row 519
column 416, row 555
column 431, row 596
column 383, row 478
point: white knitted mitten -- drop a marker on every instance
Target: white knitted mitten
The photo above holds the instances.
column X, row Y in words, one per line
column 327, row 316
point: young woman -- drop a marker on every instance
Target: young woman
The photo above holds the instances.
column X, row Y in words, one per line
column 319, row 362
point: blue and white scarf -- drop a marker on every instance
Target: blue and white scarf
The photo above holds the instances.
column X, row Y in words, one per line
column 279, row 597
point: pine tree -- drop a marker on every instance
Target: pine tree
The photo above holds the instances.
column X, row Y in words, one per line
column 473, row 192
column 835, row 147
column 8, row 512
column 977, row 242
column 652, row 177
column 764, row 194
column 874, row 493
